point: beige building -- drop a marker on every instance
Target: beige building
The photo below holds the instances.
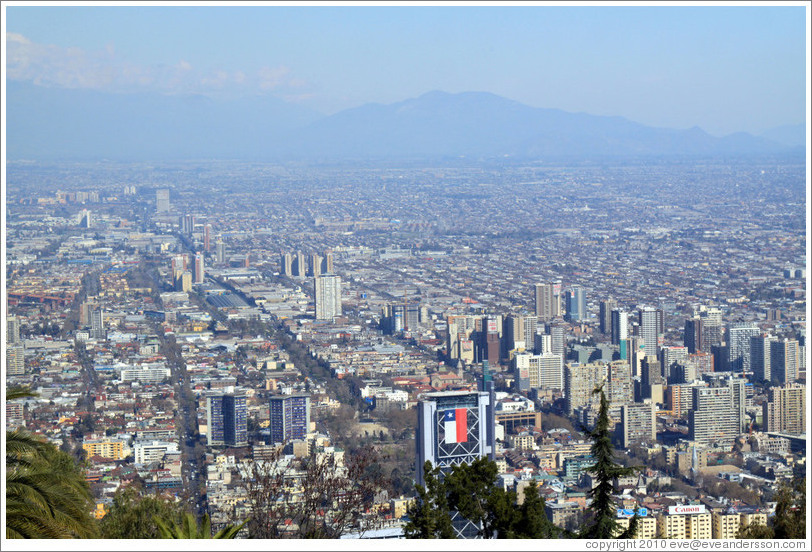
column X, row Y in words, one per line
column 646, row 527
column 106, row 448
column 685, row 522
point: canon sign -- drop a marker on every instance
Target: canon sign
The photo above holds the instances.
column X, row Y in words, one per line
column 692, row 509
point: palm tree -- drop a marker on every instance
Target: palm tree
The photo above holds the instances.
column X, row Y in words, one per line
column 46, row 493
column 190, row 530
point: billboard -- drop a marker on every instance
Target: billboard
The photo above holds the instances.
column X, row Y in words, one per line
column 627, row 512
column 687, row 509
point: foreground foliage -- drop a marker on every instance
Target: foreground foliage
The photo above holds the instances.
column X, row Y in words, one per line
column 189, row 529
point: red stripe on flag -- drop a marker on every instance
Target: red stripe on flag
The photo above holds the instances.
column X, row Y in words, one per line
column 462, row 425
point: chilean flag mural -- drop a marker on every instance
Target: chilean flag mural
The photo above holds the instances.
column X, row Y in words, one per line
column 456, row 425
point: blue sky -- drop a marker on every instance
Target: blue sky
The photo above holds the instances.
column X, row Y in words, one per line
column 724, row 69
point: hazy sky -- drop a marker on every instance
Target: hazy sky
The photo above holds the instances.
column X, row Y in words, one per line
column 724, row 69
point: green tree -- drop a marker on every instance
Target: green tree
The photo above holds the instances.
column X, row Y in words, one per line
column 189, row 529
column 790, row 510
column 132, row 516
column 429, row 517
column 605, row 469
column 46, row 492
column 533, row 523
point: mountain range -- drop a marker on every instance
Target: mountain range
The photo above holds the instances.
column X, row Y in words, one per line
column 50, row 124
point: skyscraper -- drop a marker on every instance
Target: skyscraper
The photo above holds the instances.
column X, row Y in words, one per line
column 542, row 371
column 605, row 315
column 12, row 330
column 162, row 201
column 327, row 263
column 220, row 251
column 579, row 382
column 651, row 329
column 328, row 296
column 227, row 419
column 286, row 264
column 620, row 331
column 576, row 304
column 638, row 424
column 15, row 360
column 207, row 237
column 760, row 356
column 785, row 409
column 548, row 300
column 739, row 341
column 784, row 361
column 97, row 324
column 199, row 274
column 289, row 418
column 692, row 336
column 454, row 428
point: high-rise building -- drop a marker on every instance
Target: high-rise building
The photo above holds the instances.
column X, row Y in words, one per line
column 15, row 360
column 315, row 264
column 328, row 296
column 548, row 300
column 541, row 371
column 162, row 201
column 576, row 304
column 207, row 237
column 713, row 419
column 784, row 361
column 699, row 364
column 739, row 342
column 674, row 363
column 692, row 336
column 785, row 409
column 300, row 264
column 227, row 419
column 620, row 331
column 652, row 382
column 286, row 264
column 97, row 324
column 289, row 418
column 455, row 428
column 187, row 224
column 327, row 263
column 605, row 315
column 579, row 382
column 200, row 271
column 638, row 424
column 220, row 251
column 760, row 356
column 12, row 330
column 620, row 387
column 651, row 329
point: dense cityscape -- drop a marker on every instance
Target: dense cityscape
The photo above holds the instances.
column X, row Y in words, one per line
column 284, row 346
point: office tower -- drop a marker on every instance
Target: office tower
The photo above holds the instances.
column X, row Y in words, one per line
column 738, row 341
column 548, row 300
column 785, row 409
column 15, row 360
column 543, row 343
column 460, row 346
column 638, row 424
column 674, row 363
column 619, row 327
column 227, row 419
column 760, row 356
column 490, row 343
column 784, row 361
column 579, row 382
column 513, row 332
column 454, row 427
column 162, row 201
column 315, row 264
column 286, row 264
column 327, row 263
column 712, row 328
column 680, row 397
column 200, row 271
column 692, row 336
column 12, row 330
column 300, row 265
column 328, row 296
column 220, row 251
column 721, row 356
column 178, row 265
column 713, row 418
column 576, row 304
column 97, row 324
column 605, row 315
column 207, row 237
column 651, row 329
column 289, row 418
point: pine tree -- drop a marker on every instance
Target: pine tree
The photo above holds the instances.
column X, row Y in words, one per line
column 430, row 517
column 603, row 507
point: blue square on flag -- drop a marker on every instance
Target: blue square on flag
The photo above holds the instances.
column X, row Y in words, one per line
column 455, row 424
